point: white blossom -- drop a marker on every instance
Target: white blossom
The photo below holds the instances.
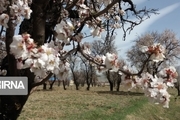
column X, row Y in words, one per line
column 144, row 49
column 3, row 72
column 20, row 9
column 86, row 48
column 4, row 19
column 18, row 47
column 122, row 12
column 96, row 32
column 111, row 60
column 64, row 31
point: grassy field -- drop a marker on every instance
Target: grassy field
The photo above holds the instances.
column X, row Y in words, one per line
column 96, row 104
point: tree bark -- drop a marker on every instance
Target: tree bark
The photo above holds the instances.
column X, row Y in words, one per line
column 44, row 86
column 111, row 85
column 39, row 21
column 118, row 82
column 178, row 92
column 177, row 86
column 75, row 80
column 109, row 80
column 88, row 82
column 64, row 85
column 77, row 86
column 11, row 105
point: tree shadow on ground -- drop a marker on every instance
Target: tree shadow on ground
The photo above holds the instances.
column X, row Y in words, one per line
column 121, row 93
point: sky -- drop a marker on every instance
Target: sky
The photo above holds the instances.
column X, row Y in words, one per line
column 168, row 18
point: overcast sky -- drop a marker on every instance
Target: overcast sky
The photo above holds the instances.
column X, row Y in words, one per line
column 168, row 18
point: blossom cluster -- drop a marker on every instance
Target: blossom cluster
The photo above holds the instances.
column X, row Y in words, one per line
column 66, row 27
column 40, row 60
column 4, row 19
column 155, row 88
column 3, row 5
column 64, row 30
column 3, row 72
column 20, row 8
column 169, row 75
column 156, row 51
column 86, row 48
column 110, row 60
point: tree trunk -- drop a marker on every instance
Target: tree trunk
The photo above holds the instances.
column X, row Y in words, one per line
column 75, row 81
column 44, row 86
column 39, row 21
column 111, row 85
column 178, row 92
column 118, row 82
column 59, row 82
column 77, row 86
column 11, row 106
column 88, row 84
column 52, row 83
column 88, row 87
column 178, row 87
column 87, row 81
column 118, row 85
column 64, row 85
column 109, row 80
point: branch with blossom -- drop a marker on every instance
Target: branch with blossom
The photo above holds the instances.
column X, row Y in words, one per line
column 154, row 85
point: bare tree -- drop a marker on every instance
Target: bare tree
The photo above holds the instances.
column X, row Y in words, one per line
column 107, row 44
column 86, row 71
column 73, row 66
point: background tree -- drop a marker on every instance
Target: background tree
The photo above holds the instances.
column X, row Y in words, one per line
column 167, row 39
column 86, row 68
column 74, row 68
column 117, row 76
column 101, row 47
column 107, row 44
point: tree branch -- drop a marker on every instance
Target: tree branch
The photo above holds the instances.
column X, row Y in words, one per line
column 68, row 54
column 69, row 7
column 106, row 9
column 43, row 81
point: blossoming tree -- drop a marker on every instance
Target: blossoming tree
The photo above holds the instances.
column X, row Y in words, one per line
column 47, row 26
column 169, row 41
column 172, row 51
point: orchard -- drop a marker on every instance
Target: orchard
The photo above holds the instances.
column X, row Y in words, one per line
column 45, row 27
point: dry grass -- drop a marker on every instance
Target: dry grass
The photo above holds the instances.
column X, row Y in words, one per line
column 96, row 104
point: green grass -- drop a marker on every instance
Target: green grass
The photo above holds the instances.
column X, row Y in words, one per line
column 97, row 104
